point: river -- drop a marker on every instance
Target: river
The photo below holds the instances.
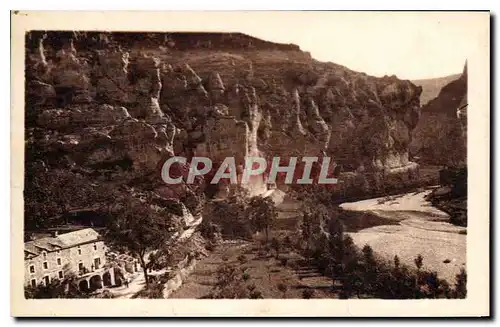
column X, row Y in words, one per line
column 409, row 226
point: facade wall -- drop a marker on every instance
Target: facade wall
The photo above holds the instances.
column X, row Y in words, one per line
column 69, row 261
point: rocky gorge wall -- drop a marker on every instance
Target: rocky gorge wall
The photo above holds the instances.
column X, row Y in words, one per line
column 110, row 107
column 440, row 137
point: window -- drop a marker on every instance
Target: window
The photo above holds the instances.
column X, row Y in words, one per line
column 95, row 247
column 46, row 280
column 32, row 269
column 60, row 274
column 79, row 250
column 59, row 261
column 44, row 255
column 33, row 282
column 80, row 266
column 45, row 265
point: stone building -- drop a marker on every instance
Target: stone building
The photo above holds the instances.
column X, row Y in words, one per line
column 80, row 252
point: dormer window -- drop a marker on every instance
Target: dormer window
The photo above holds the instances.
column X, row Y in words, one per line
column 79, row 250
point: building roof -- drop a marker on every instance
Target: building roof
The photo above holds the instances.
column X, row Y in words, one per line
column 78, row 237
column 66, row 240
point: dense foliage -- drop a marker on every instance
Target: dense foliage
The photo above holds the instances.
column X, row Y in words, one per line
column 140, row 229
column 239, row 217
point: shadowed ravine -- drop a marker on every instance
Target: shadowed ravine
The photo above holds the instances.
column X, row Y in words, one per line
column 417, row 228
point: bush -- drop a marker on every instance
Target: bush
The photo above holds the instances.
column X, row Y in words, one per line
column 230, row 217
column 209, row 230
column 106, row 294
column 282, row 287
column 251, row 287
column 154, row 291
column 210, row 247
column 308, row 293
column 256, row 295
column 461, row 285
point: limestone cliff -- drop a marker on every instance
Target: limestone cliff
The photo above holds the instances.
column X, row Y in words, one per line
column 440, row 136
column 110, row 107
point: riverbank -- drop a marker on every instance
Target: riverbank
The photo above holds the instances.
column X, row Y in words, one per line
column 417, row 228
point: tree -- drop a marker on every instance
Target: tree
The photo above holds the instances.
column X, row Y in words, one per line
column 140, row 228
column 370, row 269
column 307, row 293
column 231, row 216
column 262, row 214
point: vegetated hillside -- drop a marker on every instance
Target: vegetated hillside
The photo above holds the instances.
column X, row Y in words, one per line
column 441, row 134
column 432, row 86
column 104, row 110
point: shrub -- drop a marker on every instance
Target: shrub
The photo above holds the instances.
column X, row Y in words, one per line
column 209, row 230
column 308, row 293
column 228, row 284
column 461, row 285
column 251, row 287
column 256, row 295
column 261, row 213
column 246, row 276
column 282, row 287
column 230, row 217
column 242, row 258
column 153, row 291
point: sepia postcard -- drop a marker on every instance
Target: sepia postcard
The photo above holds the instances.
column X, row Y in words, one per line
column 291, row 163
